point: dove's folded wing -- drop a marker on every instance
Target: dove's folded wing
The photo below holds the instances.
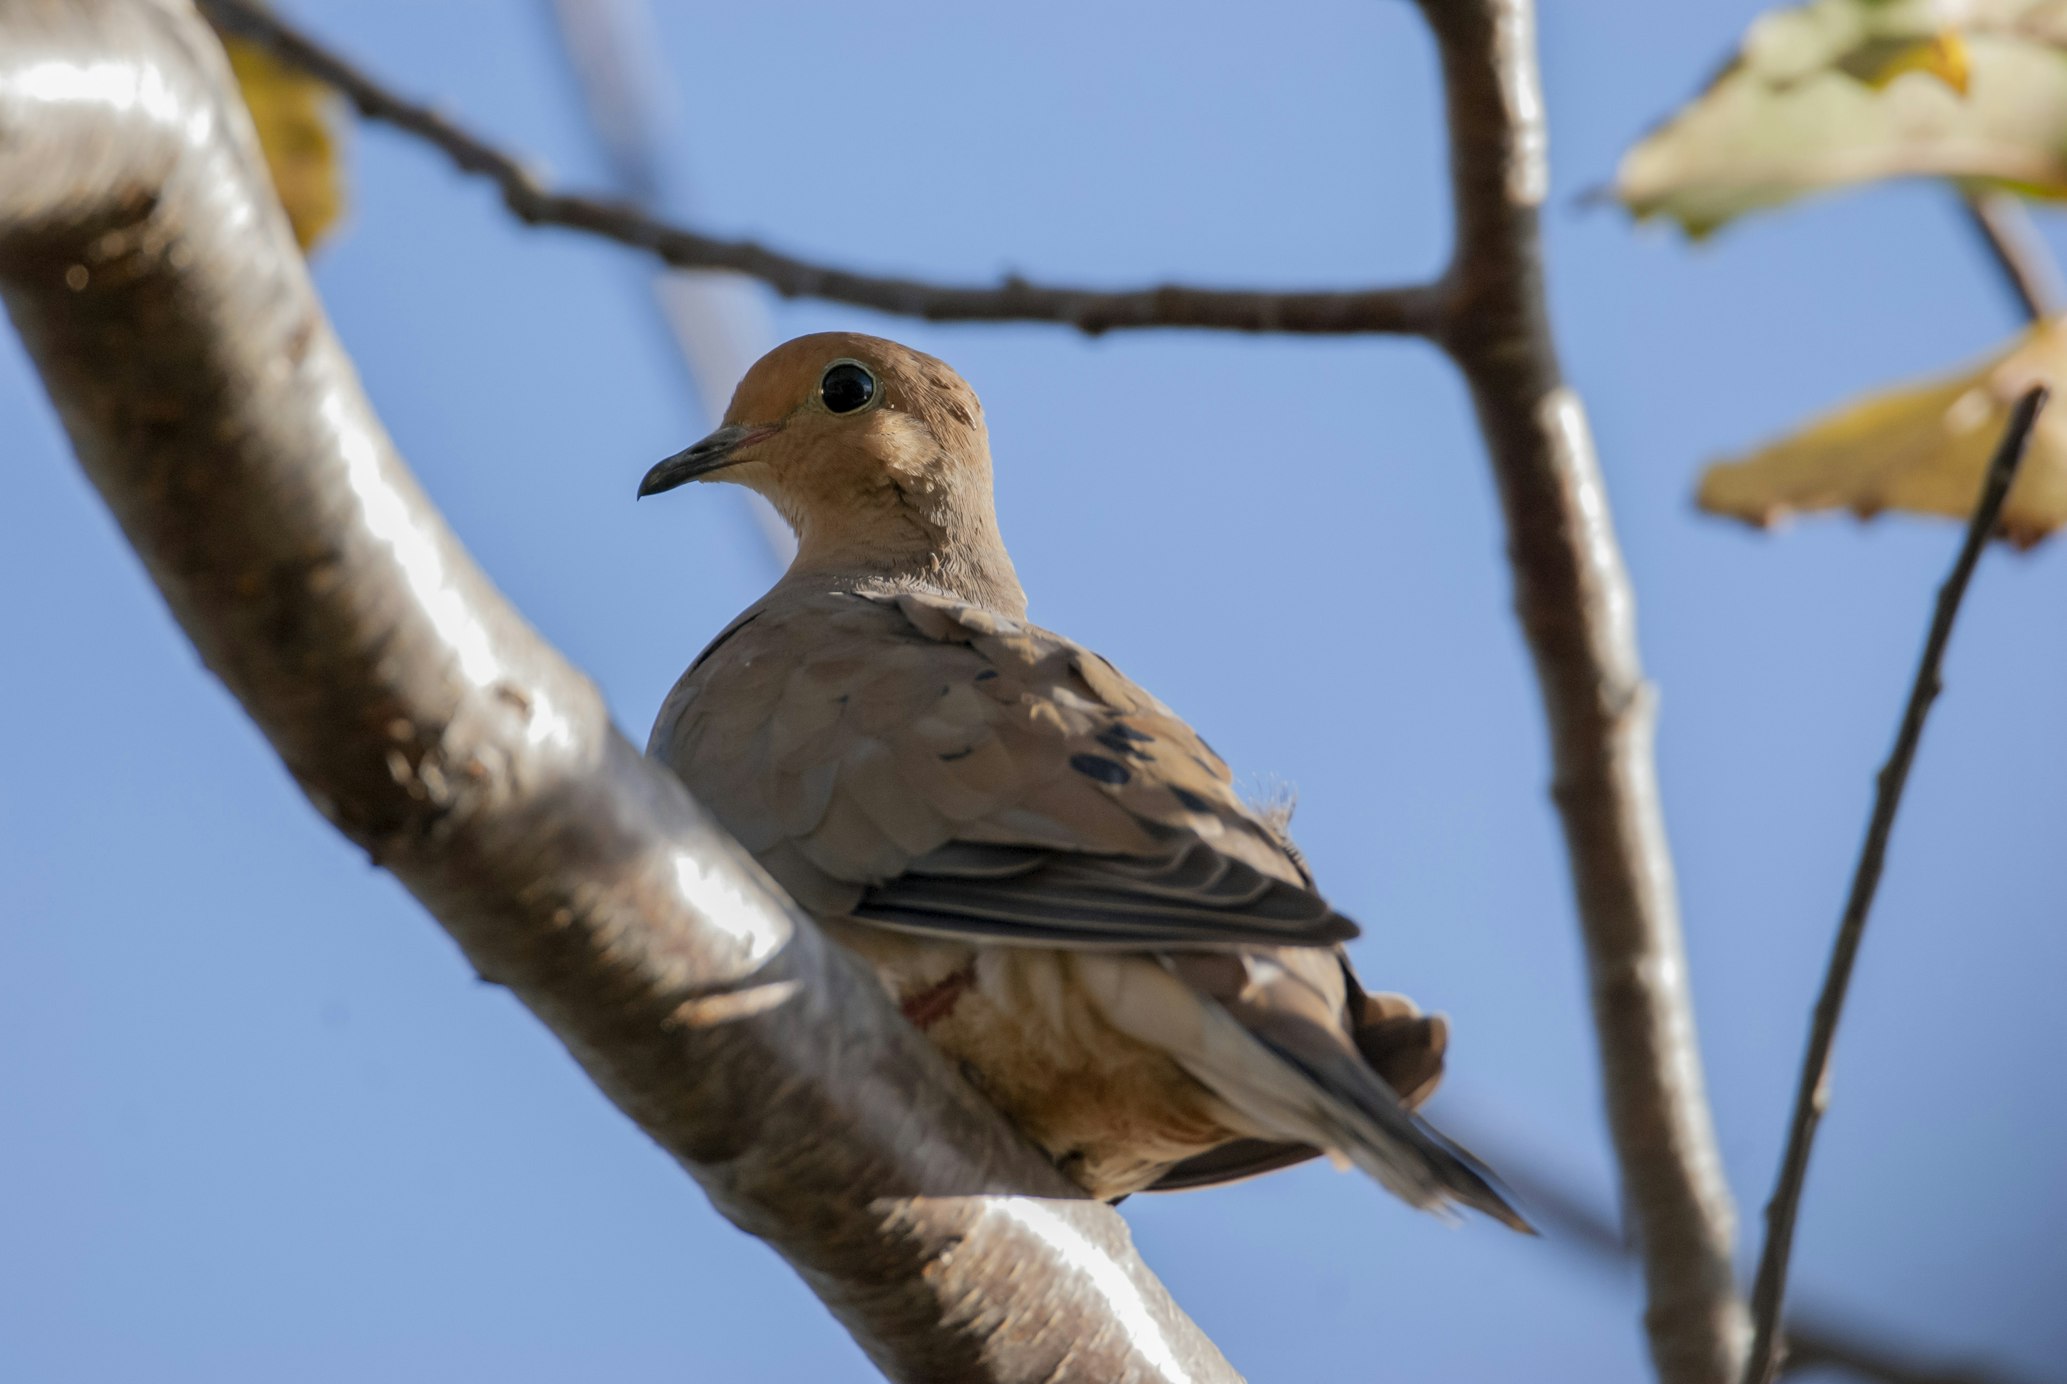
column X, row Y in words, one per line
column 1194, row 897
column 910, row 761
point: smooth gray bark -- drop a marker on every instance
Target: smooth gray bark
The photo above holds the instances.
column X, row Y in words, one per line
column 151, row 274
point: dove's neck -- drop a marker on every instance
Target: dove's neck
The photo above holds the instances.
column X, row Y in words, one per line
column 946, row 541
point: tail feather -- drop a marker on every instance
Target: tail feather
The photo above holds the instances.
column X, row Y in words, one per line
column 1304, row 1060
column 1373, row 1129
column 1277, row 1049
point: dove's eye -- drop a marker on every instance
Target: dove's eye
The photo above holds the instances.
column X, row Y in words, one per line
column 846, row 386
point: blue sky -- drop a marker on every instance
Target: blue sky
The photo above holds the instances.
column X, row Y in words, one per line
column 263, row 1122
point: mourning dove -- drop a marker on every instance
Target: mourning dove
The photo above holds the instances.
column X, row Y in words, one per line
column 1049, row 872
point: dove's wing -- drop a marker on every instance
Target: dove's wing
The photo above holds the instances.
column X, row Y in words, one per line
column 914, row 762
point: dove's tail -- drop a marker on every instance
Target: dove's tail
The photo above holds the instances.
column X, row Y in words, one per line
column 1306, row 1085
column 1357, row 1116
column 1267, row 1034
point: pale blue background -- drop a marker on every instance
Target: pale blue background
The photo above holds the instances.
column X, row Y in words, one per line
column 260, row 1123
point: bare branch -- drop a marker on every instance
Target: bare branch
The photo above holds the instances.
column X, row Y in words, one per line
column 2005, row 229
column 1812, row 1094
column 152, row 277
column 1577, row 611
column 1409, row 310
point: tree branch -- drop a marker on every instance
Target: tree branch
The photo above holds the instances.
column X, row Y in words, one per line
column 1577, row 611
column 151, row 275
column 1812, row 1094
column 1405, row 310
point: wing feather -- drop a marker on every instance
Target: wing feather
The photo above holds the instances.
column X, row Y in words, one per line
column 971, row 775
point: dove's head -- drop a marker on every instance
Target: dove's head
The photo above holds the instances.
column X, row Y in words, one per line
column 877, row 456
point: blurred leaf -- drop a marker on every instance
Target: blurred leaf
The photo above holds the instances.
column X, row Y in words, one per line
column 1846, row 91
column 290, row 111
column 1923, row 448
column 1878, row 61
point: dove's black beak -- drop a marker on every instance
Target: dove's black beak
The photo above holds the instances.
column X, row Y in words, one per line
column 716, row 452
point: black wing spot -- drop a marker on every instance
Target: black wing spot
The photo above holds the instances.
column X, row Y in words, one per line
column 1125, row 740
column 950, row 756
column 1192, row 801
column 986, row 675
column 1122, row 740
column 1097, row 766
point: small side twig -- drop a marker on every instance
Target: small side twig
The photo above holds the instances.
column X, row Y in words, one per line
column 1812, row 1095
column 1409, row 310
column 2005, row 228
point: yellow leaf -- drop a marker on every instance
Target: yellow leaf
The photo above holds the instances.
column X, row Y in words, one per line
column 1922, row 448
column 1836, row 92
column 289, row 111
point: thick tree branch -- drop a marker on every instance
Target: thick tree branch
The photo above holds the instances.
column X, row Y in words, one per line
column 1408, row 309
column 1578, row 614
column 1812, row 1094
column 152, row 277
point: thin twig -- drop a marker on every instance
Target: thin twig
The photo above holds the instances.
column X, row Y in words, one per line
column 2013, row 242
column 1411, row 310
column 1812, row 1095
